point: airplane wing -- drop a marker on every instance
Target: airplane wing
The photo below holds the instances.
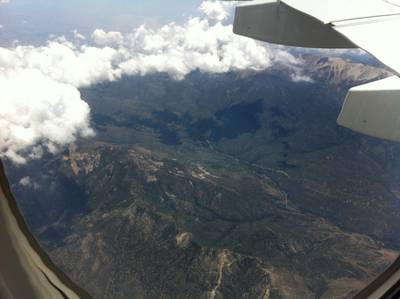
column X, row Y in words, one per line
column 372, row 25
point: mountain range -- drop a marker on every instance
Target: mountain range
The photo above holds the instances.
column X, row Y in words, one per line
column 236, row 185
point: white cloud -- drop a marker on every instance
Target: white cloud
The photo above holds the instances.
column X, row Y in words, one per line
column 27, row 182
column 4, row 1
column 61, row 61
column 296, row 77
column 102, row 38
column 41, row 105
column 38, row 113
column 217, row 10
column 78, row 35
column 180, row 49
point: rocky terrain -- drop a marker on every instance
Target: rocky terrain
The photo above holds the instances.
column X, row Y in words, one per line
column 219, row 186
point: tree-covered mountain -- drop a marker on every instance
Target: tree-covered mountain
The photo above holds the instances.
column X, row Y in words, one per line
column 236, row 185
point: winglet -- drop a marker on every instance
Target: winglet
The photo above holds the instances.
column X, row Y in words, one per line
column 373, row 109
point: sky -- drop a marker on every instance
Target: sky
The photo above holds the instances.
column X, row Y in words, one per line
column 65, row 45
column 34, row 20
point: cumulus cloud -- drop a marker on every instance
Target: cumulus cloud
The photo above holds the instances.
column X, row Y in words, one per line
column 196, row 45
column 102, row 38
column 78, row 35
column 41, row 105
column 4, row 1
column 61, row 61
column 27, row 182
column 218, row 11
column 38, row 113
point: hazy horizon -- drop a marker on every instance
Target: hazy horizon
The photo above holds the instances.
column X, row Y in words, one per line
column 32, row 22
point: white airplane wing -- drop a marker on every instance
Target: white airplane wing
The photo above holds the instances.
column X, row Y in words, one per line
column 373, row 25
